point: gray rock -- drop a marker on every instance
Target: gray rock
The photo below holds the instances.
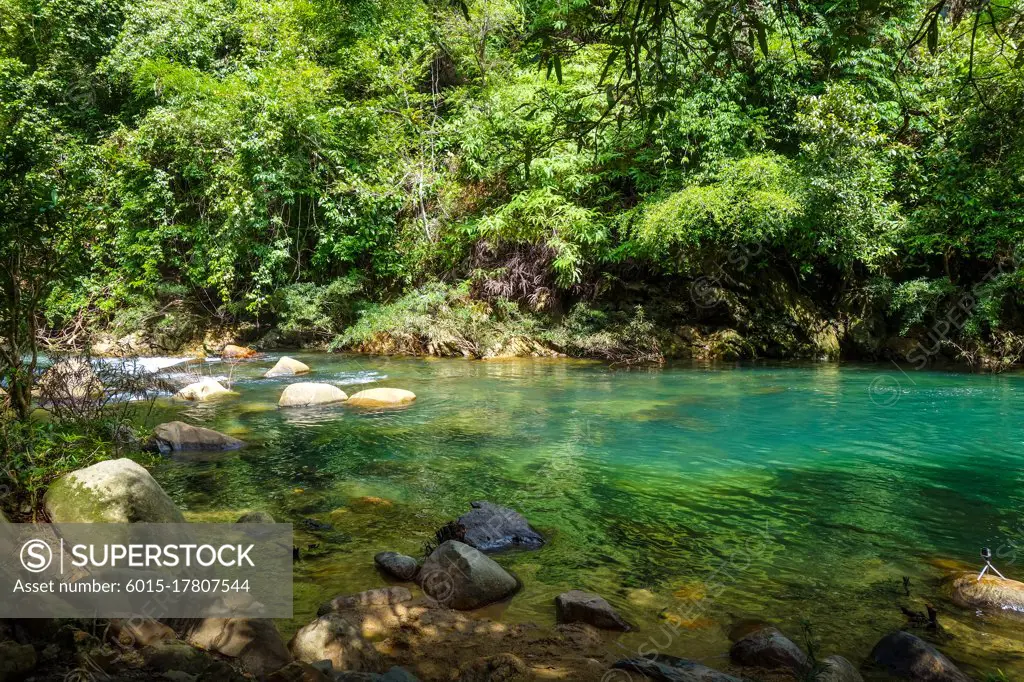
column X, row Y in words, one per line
column 768, row 648
column 323, row 666
column 114, row 491
column 255, row 517
column 397, row 565
column 182, row 437
column 671, row 669
column 908, row 657
column 381, row 596
column 463, row 578
column 837, row 669
column 334, row 638
column 254, row 642
column 398, row 674
column 577, row 606
column 492, row 528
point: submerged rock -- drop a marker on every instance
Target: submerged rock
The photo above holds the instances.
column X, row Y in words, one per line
column 577, row 606
column 233, row 352
column 382, row 397
column 254, row 642
column 837, row 669
column 114, row 491
column 768, row 648
column 493, row 528
column 287, row 366
column 203, row 390
column 181, row 437
column 463, row 578
column 255, row 517
column 381, row 596
column 671, row 669
column 335, row 639
column 306, row 394
column 908, row 657
column 991, row 593
column 503, row 667
column 397, row 565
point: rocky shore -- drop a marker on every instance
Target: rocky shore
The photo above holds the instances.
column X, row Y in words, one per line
column 422, row 626
column 422, row 623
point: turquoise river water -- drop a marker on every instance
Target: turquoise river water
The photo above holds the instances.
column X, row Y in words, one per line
column 692, row 495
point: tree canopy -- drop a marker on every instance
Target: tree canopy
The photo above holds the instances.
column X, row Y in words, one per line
column 297, row 162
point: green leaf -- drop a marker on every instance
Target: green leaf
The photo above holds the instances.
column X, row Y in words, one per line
column 607, row 65
column 933, row 34
column 558, row 68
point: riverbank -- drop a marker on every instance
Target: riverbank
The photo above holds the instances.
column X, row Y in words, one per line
column 779, row 493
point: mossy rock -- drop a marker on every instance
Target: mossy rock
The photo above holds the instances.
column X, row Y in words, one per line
column 114, row 491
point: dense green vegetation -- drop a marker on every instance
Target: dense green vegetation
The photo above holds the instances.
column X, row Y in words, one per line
column 620, row 179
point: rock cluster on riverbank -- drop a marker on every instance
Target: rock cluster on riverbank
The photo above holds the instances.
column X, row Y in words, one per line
column 396, row 633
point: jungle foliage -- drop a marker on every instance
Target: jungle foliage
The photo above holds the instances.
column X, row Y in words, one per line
column 335, row 165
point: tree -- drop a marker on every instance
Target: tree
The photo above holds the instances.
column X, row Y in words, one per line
column 41, row 243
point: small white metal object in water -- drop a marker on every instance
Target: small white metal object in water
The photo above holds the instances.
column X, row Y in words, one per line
column 986, row 554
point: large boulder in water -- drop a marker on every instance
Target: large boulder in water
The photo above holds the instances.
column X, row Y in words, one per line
column 203, row 390
column 493, row 528
column 463, row 578
column 287, row 366
column 397, row 565
column 182, row 437
column 115, row 491
column 671, row 669
column 908, row 657
column 770, row 649
column 305, row 394
column 991, row 593
column 254, row 642
column 577, row 606
column 334, row 638
column 233, row 352
column 382, row 397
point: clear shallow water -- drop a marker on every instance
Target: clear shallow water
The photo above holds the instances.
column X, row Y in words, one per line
column 690, row 497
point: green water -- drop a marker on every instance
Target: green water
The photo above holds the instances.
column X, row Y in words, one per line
column 792, row 494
